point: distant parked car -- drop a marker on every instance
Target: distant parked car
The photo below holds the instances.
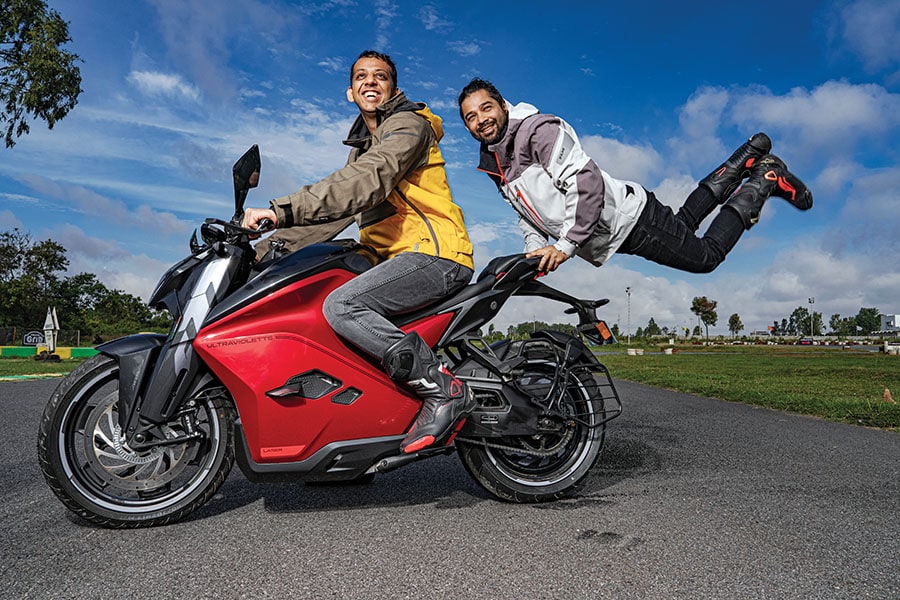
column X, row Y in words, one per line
column 806, row 342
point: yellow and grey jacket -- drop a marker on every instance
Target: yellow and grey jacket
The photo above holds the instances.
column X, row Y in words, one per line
column 394, row 185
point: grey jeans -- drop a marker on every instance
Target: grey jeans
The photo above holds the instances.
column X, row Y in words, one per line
column 358, row 309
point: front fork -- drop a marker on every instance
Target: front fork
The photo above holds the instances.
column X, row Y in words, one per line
column 155, row 378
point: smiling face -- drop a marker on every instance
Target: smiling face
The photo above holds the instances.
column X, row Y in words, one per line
column 485, row 118
column 371, row 85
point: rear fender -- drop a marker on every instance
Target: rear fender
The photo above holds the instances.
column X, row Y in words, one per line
column 578, row 352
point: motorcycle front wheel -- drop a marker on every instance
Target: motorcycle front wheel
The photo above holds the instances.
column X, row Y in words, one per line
column 544, row 466
column 90, row 467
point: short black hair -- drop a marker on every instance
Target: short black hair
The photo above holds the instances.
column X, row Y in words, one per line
column 479, row 84
column 380, row 56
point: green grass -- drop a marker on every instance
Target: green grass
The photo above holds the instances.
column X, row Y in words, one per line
column 29, row 366
column 835, row 384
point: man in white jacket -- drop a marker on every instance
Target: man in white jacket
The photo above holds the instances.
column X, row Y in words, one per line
column 559, row 192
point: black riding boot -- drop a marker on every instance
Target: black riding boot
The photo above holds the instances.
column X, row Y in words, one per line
column 768, row 177
column 724, row 180
column 446, row 399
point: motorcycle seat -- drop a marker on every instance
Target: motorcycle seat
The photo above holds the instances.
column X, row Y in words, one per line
column 485, row 280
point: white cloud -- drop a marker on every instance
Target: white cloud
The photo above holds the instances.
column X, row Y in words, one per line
column 702, row 113
column 113, row 211
column 673, row 191
column 464, row 48
column 9, row 221
column 334, row 64
column 163, row 84
column 871, row 29
column 201, row 37
column 385, row 11
column 114, row 266
column 623, row 161
column 869, row 223
column 432, row 21
column 836, row 114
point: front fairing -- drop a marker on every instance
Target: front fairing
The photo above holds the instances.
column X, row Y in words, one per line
column 165, row 293
column 220, row 266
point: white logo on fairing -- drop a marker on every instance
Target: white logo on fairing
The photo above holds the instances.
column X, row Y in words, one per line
column 198, row 306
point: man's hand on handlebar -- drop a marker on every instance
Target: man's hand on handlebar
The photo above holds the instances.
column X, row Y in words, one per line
column 253, row 216
column 551, row 258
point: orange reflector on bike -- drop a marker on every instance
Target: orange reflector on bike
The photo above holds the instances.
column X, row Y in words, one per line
column 604, row 331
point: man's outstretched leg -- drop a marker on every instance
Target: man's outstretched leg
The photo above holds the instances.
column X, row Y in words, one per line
column 716, row 187
column 661, row 237
column 768, row 177
column 446, row 399
column 728, row 176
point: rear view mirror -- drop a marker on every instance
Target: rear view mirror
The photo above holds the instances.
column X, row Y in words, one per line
column 246, row 177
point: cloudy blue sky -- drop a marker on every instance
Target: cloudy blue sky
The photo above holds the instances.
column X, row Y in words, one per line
column 659, row 92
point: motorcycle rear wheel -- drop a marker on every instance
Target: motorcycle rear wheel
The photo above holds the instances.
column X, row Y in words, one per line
column 89, row 466
column 542, row 467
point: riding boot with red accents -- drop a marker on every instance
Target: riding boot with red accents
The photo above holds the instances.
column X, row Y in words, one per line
column 445, row 399
column 725, row 179
column 768, row 177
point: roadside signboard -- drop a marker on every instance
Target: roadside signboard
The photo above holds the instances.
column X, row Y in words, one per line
column 33, row 338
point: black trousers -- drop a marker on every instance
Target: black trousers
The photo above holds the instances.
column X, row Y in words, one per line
column 671, row 239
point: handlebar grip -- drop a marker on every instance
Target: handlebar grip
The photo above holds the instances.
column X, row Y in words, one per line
column 265, row 225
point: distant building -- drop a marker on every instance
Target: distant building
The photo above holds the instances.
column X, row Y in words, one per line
column 761, row 333
column 890, row 324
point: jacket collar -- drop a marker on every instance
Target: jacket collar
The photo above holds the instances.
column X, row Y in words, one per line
column 517, row 114
column 359, row 135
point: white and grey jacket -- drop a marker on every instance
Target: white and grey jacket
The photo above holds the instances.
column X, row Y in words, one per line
column 558, row 191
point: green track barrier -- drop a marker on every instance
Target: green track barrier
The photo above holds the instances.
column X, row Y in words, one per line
column 28, row 351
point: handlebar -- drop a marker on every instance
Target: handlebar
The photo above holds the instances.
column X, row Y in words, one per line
column 264, row 226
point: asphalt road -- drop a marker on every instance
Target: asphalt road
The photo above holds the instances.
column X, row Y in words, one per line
column 693, row 498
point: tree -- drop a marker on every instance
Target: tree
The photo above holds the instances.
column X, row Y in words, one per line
column 799, row 321
column 78, row 297
column 28, row 278
column 706, row 310
column 803, row 322
column 13, row 245
column 30, row 283
column 734, row 324
column 37, row 77
column 868, row 320
column 652, row 329
column 842, row 326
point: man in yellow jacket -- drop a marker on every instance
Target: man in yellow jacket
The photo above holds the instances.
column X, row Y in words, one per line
column 395, row 186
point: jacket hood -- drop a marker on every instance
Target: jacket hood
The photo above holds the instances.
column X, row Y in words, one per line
column 517, row 114
column 520, row 110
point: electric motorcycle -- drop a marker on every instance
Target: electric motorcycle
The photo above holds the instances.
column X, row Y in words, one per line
column 146, row 431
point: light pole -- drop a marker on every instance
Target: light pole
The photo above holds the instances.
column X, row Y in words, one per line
column 812, row 328
column 628, row 293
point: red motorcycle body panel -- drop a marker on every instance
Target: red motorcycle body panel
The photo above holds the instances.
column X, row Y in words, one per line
column 259, row 348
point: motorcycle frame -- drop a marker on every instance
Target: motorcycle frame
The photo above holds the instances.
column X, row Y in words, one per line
column 246, row 341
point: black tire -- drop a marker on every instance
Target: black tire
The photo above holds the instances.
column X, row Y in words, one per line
column 98, row 477
column 520, row 475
